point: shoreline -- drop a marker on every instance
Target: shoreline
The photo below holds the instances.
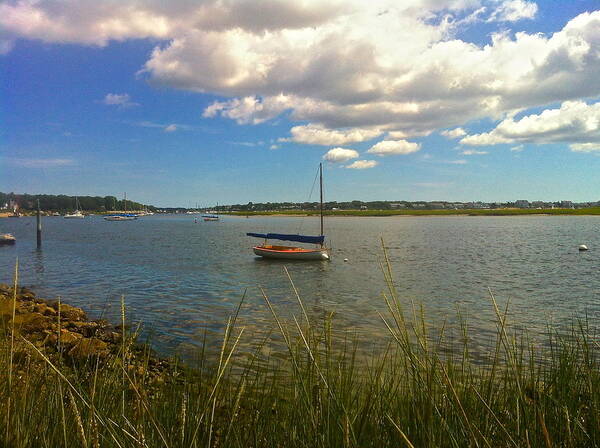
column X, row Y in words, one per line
column 436, row 213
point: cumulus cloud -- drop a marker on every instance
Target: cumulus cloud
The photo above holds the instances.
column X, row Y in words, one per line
column 574, row 122
column 362, row 164
column 342, row 64
column 585, row 147
column 118, row 99
column 454, row 133
column 340, row 155
column 249, row 110
column 394, row 147
column 318, row 135
column 514, row 10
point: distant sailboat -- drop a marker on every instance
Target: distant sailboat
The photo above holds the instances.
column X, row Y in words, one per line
column 212, row 216
column 292, row 252
column 77, row 213
column 122, row 216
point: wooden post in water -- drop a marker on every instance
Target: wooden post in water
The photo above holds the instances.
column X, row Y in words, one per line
column 39, row 226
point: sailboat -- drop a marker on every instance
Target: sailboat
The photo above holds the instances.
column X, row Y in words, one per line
column 212, row 216
column 77, row 213
column 293, row 252
column 122, row 216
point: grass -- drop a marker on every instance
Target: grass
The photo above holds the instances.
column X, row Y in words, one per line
column 469, row 212
column 415, row 393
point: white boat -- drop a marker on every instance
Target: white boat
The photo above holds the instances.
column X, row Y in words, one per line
column 7, row 239
column 77, row 213
column 319, row 253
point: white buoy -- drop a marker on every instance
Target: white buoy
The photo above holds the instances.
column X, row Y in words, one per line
column 583, row 247
column 345, row 259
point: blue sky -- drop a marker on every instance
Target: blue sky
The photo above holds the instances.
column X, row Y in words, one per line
column 237, row 101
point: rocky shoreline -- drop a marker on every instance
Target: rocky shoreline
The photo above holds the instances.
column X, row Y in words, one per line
column 65, row 335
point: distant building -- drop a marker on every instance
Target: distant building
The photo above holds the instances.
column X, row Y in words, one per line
column 566, row 204
column 436, row 205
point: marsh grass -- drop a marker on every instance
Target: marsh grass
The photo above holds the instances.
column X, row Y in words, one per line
column 321, row 394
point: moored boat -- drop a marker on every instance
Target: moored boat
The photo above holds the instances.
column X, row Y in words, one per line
column 319, row 253
column 7, row 239
column 121, row 217
column 77, row 213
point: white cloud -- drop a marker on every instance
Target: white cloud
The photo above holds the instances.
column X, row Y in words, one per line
column 318, row 135
column 40, row 163
column 574, row 122
column 514, row 10
column 250, row 109
column 454, row 133
column 118, row 99
column 585, row 147
column 273, row 147
column 340, row 155
column 342, row 64
column 171, row 127
column 362, row 164
column 394, row 147
column 457, row 162
column 473, row 152
column 517, row 148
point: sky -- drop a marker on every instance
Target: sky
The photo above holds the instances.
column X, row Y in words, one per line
column 228, row 101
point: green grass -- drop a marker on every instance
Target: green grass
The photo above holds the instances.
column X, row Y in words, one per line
column 322, row 393
column 469, row 212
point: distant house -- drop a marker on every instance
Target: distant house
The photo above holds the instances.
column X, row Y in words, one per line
column 566, row 204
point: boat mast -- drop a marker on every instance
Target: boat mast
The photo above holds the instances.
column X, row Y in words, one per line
column 321, row 195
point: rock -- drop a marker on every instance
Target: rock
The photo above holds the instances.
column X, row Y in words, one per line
column 112, row 337
column 32, row 323
column 44, row 309
column 67, row 338
column 68, row 312
column 27, row 297
column 89, row 347
column 88, row 329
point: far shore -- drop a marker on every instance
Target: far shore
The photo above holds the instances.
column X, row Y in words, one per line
column 595, row 211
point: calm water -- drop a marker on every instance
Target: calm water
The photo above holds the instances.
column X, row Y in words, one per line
column 181, row 278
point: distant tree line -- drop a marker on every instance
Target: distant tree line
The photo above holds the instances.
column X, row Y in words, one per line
column 51, row 202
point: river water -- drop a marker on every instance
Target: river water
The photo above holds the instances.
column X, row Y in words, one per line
column 182, row 278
